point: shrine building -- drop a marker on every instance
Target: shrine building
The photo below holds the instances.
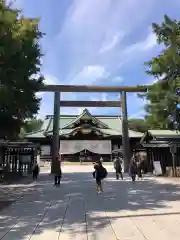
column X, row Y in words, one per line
column 85, row 137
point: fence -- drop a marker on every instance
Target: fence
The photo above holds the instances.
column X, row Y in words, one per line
column 17, row 159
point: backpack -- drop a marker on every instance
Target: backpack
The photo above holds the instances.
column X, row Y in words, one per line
column 103, row 172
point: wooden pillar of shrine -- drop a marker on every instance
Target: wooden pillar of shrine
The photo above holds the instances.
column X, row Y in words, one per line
column 55, row 138
column 125, row 134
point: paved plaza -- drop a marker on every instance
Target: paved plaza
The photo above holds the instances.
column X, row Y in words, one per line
column 147, row 209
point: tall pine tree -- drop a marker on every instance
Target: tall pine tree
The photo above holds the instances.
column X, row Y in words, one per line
column 163, row 96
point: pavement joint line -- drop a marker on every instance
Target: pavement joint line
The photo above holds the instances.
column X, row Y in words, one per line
column 85, row 216
column 15, row 202
column 111, row 225
column 43, row 215
column 18, row 199
column 64, row 199
column 59, row 235
column 10, row 229
column 138, row 228
column 41, row 219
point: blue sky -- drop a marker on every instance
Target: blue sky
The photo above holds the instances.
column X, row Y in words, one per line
column 97, row 42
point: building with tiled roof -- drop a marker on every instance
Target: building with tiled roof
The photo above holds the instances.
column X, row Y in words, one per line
column 83, row 135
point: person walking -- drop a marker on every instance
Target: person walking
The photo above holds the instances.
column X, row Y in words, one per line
column 133, row 169
column 35, row 170
column 57, row 172
column 139, row 170
column 118, row 168
column 99, row 174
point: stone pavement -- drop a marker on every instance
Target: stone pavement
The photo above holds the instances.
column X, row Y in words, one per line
column 147, row 209
column 11, row 192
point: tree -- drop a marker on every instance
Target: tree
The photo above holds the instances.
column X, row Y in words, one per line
column 32, row 125
column 138, row 124
column 163, row 96
column 20, row 76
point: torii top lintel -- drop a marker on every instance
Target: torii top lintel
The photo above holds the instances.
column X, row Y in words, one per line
column 86, row 88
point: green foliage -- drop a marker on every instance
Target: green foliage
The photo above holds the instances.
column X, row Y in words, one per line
column 137, row 124
column 163, row 96
column 31, row 126
column 20, row 76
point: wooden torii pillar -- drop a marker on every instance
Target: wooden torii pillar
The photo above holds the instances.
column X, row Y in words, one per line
column 125, row 135
column 55, row 138
column 125, row 132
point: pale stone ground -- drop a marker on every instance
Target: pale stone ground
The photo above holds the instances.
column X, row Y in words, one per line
column 148, row 209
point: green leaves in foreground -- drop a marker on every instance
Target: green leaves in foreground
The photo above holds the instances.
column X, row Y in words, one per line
column 163, row 96
column 20, row 76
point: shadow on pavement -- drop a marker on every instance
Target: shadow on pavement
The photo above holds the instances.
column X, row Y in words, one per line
column 76, row 207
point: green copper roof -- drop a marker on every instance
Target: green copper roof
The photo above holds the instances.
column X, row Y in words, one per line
column 108, row 125
column 164, row 133
column 85, row 115
column 161, row 134
column 111, row 132
column 37, row 134
column 111, row 122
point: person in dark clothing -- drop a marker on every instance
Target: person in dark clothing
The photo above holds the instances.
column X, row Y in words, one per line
column 57, row 179
column 118, row 168
column 35, row 171
column 139, row 170
column 133, row 170
column 57, row 172
column 99, row 174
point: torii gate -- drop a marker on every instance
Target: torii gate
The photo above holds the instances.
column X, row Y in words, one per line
column 122, row 103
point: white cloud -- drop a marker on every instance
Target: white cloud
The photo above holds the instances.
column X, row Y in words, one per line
column 47, row 98
column 51, row 80
column 90, row 74
column 110, row 44
column 117, row 79
column 91, row 28
column 154, row 80
column 90, row 40
column 150, row 41
column 142, row 46
column 16, row 3
column 151, row 81
column 138, row 114
column 136, row 105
